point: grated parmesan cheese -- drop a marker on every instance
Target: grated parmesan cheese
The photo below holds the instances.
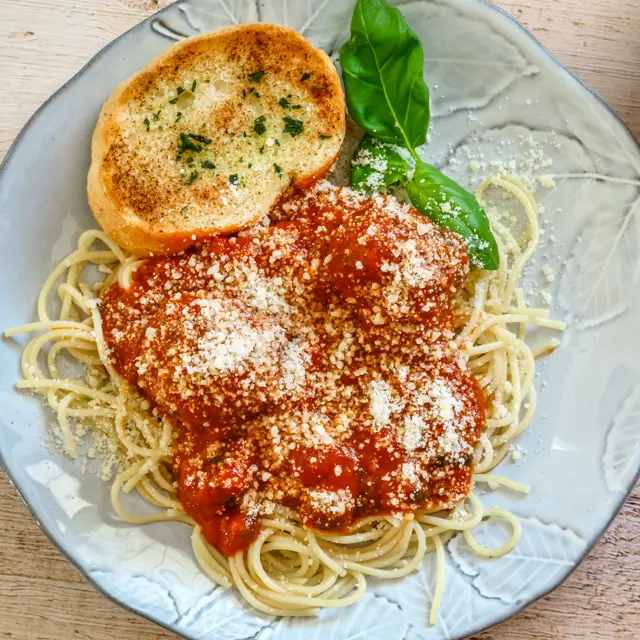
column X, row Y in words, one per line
column 382, row 403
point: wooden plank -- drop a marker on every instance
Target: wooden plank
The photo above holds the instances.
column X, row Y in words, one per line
column 42, row 43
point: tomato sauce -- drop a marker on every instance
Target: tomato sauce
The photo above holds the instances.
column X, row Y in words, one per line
column 309, row 366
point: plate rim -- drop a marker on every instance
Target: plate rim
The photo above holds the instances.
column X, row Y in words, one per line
column 570, row 75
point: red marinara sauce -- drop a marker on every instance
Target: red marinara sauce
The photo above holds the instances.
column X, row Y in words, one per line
column 309, row 365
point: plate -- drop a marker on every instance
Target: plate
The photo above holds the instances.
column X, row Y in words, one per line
column 497, row 94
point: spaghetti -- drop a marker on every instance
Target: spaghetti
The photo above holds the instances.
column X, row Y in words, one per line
column 290, row 569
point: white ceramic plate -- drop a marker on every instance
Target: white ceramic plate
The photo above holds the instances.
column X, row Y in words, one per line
column 495, row 92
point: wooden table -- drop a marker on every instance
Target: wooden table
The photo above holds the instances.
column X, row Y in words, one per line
column 42, row 43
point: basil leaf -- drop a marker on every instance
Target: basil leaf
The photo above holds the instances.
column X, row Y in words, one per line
column 449, row 205
column 377, row 167
column 382, row 67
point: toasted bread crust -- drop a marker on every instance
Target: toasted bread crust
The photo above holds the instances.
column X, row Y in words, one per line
column 154, row 196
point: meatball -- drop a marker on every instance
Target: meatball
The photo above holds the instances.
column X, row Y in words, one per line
column 396, row 265
column 210, row 359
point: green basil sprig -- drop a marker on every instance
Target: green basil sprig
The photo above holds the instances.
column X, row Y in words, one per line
column 377, row 167
column 382, row 67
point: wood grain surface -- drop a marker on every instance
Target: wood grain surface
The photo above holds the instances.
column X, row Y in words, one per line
column 42, row 44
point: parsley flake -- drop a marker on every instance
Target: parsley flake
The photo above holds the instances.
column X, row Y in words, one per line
column 292, row 126
column 322, row 136
column 285, row 104
column 179, row 116
column 233, row 178
column 256, row 76
column 186, row 142
column 200, row 138
column 258, row 125
column 193, row 85
column 147, row 123
column 278, row 170
column 305, row 76
column 207, row 164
